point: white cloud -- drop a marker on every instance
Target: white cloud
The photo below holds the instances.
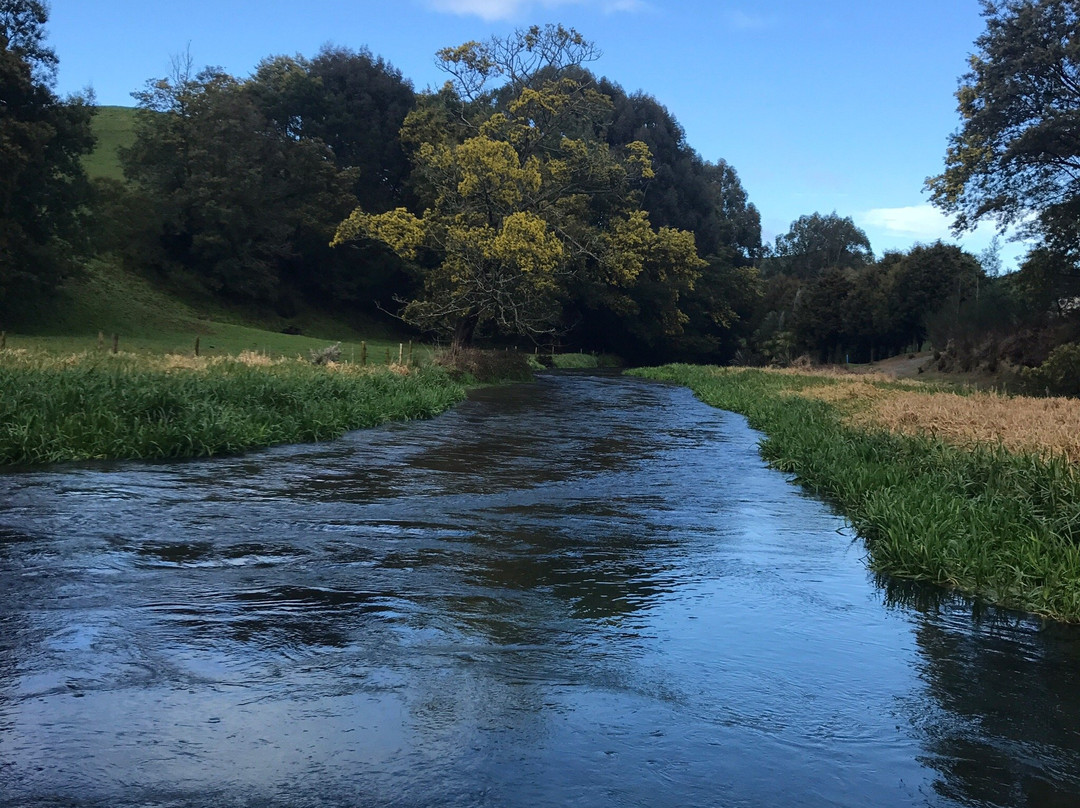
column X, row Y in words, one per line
column 742, row 21
column 919, row 222
column 615, row 6
column 485, row 9
column 509, row 9
column 900, row 228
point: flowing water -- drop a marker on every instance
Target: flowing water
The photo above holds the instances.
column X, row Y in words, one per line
column 589, row 591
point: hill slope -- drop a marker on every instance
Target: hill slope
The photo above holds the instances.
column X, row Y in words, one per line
column 114, row 128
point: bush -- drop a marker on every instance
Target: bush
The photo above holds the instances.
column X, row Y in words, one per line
column 323, row 356
column 1059, row 374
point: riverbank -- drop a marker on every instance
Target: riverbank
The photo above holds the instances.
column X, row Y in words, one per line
column 978, row 494
column 97, row 405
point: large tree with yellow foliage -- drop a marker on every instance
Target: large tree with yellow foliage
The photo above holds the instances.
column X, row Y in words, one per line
column 522, row 198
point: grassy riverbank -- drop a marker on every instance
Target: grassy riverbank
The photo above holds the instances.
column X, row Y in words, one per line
column 99, row 405
column 960, row 491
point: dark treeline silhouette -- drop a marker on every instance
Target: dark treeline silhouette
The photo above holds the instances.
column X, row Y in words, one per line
column 528, row 200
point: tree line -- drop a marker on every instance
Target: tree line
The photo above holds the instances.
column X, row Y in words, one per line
column 527, row 200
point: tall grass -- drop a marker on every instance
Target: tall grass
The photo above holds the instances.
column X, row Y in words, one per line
column 124, row 406
column 997, row 524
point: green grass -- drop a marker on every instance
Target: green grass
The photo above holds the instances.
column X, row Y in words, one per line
column 125, row 406
column 114, row 127
column 65, row 396
column 1003, row 527
column 111, row 300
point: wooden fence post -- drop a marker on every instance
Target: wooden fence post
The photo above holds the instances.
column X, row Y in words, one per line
column 115, row 343
column 363, row 353
column 196, row 346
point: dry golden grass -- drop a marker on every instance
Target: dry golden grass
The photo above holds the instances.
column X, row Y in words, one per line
column 179, row 362
column 362, row 370
column 1048, row 426
column 831, row 372
column 855, row 394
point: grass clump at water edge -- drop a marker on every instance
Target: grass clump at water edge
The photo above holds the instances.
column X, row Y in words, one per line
column 95, row 406
column 998, row 524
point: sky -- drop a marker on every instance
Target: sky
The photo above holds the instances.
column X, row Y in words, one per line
column 833, row 105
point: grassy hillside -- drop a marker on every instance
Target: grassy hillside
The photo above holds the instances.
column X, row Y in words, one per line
column 114, row 128
column 110, row 299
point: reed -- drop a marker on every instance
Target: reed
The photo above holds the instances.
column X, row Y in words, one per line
column 997, row 520
column 93, row 406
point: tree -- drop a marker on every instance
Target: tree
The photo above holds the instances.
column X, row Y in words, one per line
column 820, row 317
column 353, row 102
column 42, row 139
column 686, row 191
column 524, row 206
column 240, row 203
column 1016, row 158
column 816, row 243
column 22, row 24
column 928, row 279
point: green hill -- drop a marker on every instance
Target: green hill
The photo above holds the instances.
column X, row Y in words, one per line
column 109, row 298
column 114, row 128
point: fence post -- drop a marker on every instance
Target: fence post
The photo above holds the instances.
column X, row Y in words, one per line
column 363, row 353
column 115, row 343
column 410, row 353
column 196, row 346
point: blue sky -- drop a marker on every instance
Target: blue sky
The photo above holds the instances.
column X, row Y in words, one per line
column 831, row 105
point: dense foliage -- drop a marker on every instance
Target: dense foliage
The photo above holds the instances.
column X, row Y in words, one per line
column 42, row 184
column 532, row 210
column 1017, row 152
column 242, row 189
column 530, row 200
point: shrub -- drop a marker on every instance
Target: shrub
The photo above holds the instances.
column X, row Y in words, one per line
column 323, row 356
column 1059, row 374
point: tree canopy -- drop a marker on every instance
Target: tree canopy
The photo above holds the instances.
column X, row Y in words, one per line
column 354, row 103
column 526, row 206
column 42, row 140
column 818, row 242
column 1015, row 159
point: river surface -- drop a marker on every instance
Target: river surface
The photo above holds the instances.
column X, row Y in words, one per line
column 589, row 591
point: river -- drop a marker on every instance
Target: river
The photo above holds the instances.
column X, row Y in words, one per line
column 588, row 591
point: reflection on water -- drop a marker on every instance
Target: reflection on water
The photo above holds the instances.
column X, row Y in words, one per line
column 585, row 591
column 1004, row 685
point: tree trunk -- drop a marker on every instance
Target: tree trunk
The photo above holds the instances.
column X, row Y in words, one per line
column 463, row 333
